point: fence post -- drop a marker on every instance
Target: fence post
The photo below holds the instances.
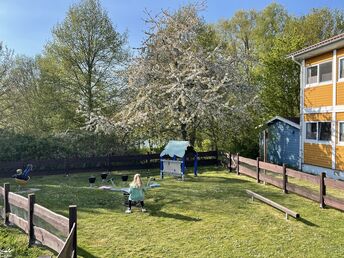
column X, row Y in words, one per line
column 109, row 163
column 72, row 220
column 230, row 162
column 31, row 202
column 6, row 203
column 148, row 160
column 285, row 179
column 258, row 181
column 217, row 158
column 322, row 189
column 237, row 168
column 65, row 166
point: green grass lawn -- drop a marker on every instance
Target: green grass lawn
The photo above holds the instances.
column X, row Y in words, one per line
column 207, row 216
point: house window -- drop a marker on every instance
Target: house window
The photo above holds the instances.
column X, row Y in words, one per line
column 311, row 131
column 341, row 68
column 312, row 74
column 324, row 131
column 325, row 72
column 320, row 73
column 319, row 131
column 341, row 131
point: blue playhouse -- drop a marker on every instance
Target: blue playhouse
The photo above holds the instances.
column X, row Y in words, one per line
column 280, row 141
column 174, row 157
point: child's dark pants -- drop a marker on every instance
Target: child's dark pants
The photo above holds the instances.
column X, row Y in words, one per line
column 141, row 202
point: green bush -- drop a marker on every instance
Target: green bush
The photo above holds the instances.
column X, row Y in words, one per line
column 72, row 144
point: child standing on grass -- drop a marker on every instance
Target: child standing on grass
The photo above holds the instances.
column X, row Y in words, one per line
column 136, row 193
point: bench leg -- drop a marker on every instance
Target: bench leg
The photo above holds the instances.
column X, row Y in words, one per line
column 286, row 216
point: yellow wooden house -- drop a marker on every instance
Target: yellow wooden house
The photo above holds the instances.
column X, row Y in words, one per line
column 322, row 106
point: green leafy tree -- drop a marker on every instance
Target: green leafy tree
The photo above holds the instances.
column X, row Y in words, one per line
column 278, row 76
column 6, row 63
column 88, row 55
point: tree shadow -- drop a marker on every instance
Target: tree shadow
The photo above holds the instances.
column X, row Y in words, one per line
column 174, row 216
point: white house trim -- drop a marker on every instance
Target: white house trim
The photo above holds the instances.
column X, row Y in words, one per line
column 339, row 143
column 287, row 121
column 302, row 127
column 327, row 109
column 335, row 174
column 334, row 101
column 338, row 65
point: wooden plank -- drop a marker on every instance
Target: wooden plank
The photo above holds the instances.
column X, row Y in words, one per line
column 312, row 195
column 17, row 200
column 248, row 172
column 334, row 183
column 67, row 250
column 273, row 204
column 334, row 202
column 19, row 222
column 48, row 239
column 248, row 161
column 207, row 154
column 58, row 221
column 271, row 167
column 304, row 176
column 271, row 180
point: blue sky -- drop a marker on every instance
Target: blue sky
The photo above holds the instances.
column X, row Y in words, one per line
column 25, row 25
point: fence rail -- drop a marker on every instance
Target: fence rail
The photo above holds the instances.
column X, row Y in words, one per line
column 107, row 163
column 66, row 227
column 254, row 168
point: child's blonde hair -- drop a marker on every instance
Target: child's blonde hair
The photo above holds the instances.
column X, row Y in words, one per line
column 137, row 181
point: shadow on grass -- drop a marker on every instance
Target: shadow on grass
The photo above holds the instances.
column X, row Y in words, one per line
column 84, row 253
column 174, row 216
column 307, row 222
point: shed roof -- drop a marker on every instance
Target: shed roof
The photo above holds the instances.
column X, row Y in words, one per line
column 175, row 148
column 292, row 121
column 319, row 48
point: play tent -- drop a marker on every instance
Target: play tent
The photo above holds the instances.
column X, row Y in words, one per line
column 173, row 158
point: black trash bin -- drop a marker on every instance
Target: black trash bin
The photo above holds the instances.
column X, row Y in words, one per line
column 92, row 180
column 103, row 176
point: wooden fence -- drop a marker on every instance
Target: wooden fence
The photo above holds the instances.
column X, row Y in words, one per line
column 107, row 163
column 257, row 169
column 25, row 214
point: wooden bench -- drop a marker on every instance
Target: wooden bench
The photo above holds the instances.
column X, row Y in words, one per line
column 274, row 204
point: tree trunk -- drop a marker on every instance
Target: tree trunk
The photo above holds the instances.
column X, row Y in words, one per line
column 193, row 136
column 183, row 131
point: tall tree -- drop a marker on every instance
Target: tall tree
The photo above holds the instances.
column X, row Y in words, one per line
column 88, row 53
column 178, row 81
column 278, row 76
column 6, row 63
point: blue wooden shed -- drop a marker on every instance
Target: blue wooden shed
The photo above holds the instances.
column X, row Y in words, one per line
column 280, row 141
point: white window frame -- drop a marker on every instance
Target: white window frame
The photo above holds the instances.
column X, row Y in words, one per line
column 340, row 79
column 317, row 138
column 318, row 83
column 339, row 141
